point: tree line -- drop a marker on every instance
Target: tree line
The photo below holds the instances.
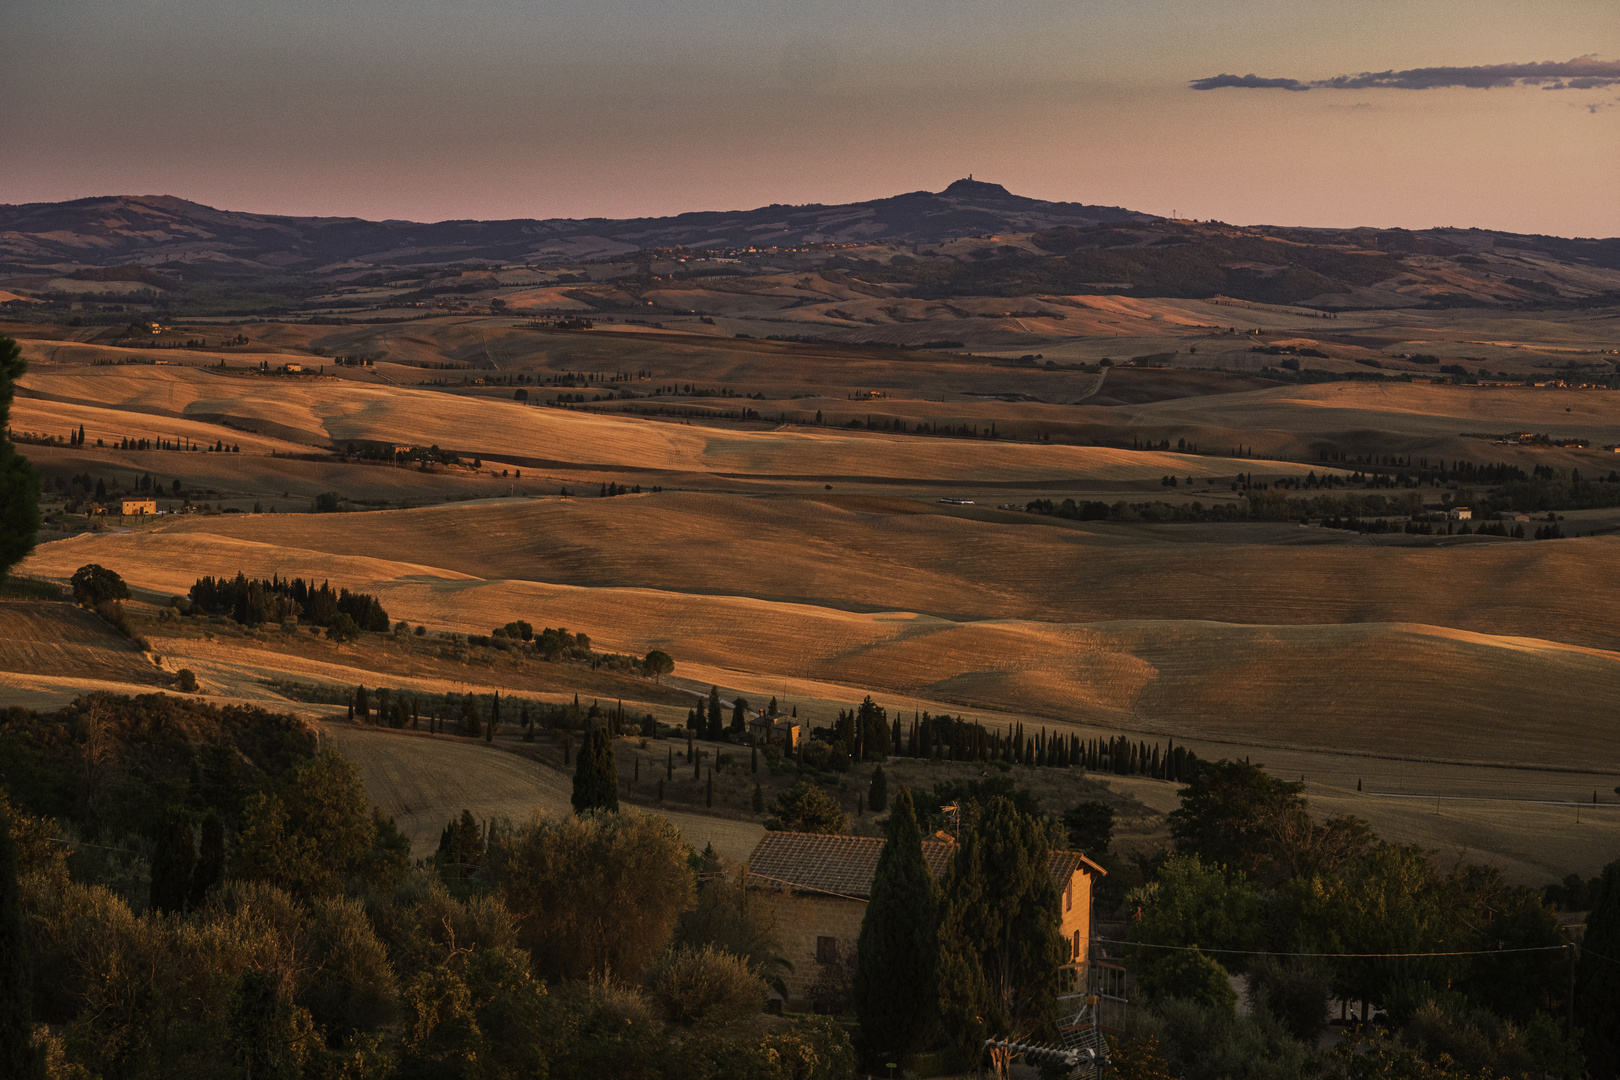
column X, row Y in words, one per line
column 252, row 601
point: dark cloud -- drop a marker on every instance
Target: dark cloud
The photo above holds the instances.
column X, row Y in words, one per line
column 1215, row 82
column 1582, row 73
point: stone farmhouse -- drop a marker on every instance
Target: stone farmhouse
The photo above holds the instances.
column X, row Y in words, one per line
column 820, row 885
column 784, row 731
column 138, row 506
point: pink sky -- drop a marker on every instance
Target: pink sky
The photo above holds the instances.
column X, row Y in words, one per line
column 502, row 108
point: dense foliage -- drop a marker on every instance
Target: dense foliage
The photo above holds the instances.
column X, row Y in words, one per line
column 196, row 892
column 251, row 602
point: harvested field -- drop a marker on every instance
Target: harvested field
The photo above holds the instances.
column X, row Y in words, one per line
column 900, row 555
column 425, row 781
column 66, row 642
column 329, row 411
column 1364, row 684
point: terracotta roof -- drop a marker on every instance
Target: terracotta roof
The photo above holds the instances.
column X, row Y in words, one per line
column 846, row 865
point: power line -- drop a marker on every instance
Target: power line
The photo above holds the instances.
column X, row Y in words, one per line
column 1337, row 956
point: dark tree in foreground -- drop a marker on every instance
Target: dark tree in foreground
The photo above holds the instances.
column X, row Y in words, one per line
column 172, row 859
column 1226, row 812
column 596, row 776
column 17, row 1055
column 1000, row 955
column 19, row 483
column 1597, row 980
column 1090, row 826
column 896, row 997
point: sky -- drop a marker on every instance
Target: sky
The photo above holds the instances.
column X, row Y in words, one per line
column 436, row 109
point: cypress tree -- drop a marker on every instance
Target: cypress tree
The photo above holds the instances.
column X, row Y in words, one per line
column 210, row 868
column 17, row 1055
column 877, row 794
column 713, row 733
column 1000, row 955
column 759, row 798
column 669, row 768
column 494, row 717
column 362, row 704
column 596, row 775
column 697, row 766
column 708, row 790
column 895, row 975
column 172, row 860
column 753, row 755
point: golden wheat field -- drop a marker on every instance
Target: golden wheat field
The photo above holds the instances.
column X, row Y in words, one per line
column 818, row 564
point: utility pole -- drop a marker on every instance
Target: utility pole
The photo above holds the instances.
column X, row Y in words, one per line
column 1569, row 1001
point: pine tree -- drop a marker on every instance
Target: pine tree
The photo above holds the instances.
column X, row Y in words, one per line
column 17, row 1054
column 895, row 992
column 596, row 775
column 1000, row 956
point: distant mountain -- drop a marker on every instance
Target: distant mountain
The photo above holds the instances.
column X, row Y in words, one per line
column 166, row 231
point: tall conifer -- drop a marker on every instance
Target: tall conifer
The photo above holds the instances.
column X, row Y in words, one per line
column 895, row 992
column 596, row 775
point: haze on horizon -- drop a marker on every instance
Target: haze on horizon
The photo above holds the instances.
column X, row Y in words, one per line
column 615, row 108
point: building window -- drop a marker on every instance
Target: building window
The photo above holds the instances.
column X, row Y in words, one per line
column 1076, row 954
column 826, row 950
column 1068, row 896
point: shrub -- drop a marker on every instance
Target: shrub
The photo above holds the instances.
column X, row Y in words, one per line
column 807, row 808
column 705, row 986
column 1295, row 993
column 186, row 680
column 343, row 628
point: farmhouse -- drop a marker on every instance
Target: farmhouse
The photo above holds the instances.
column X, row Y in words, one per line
column 819, row 886
column 1460, row 513
column 784, row 731
column 138, row 506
